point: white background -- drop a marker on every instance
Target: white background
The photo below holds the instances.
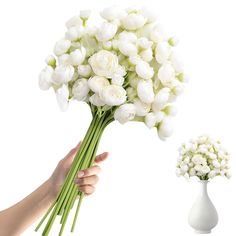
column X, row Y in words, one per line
column 138, row 193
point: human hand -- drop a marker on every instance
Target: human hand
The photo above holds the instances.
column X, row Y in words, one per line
column 85, row 179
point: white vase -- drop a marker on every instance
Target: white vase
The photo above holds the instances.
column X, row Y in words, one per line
column 203, row 216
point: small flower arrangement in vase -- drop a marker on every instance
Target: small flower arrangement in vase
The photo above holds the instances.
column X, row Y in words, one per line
column 205, row 159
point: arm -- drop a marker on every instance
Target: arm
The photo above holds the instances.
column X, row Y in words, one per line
column 14, row 220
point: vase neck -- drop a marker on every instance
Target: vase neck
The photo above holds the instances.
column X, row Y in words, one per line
column 203, row 187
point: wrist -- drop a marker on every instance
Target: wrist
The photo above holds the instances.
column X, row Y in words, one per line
column 51, row 190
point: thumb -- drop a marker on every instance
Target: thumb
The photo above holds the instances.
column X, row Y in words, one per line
column 68, row 159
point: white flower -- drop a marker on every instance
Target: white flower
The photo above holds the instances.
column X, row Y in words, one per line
column 150, row 120
column 74, row 33
column 80, row 89
column 170, row 110
column 77, row 57
column 216, row 163
column 166, row 74
column 96, row 100
column 125, row 113
column 144, row 70
column 145, row 91
column 127, row 37
column 205, row 169
column 141, row 108
column 161, row 99
column 74, row 21
column 146, row 55
column 163, row 51
column 104, row 63
column 106, row 32
column 112, row 13
column 62, row 74
column 85, row 14
column 63, row 60
column 144, row 43
column 118, row 80
column 212, row 174
column 127, row 48
column 97, row 83
column 62, row 96
column 198, row 160
column 62, row 46
column 84, row 70
column 165, row 129
column 157, row 34
column 51, row 61
column 176, row 63
column 113, row 95
column 45, row 78
column 150, row 16
column 133, row 21
column 192, row 172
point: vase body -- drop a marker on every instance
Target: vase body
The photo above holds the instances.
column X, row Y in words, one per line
column 203, row 216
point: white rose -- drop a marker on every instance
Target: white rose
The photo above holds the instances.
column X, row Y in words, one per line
column 45, row 78
column 77, row 57
column 74, row 21
column 104, row 63
column 145, row 91
column 113, row 95
column 62, row 96
column 74, row 33
column 133, row 21
column 125, row 113
column 112, row 13
column 165, row 129
column 80, row 89
column 166, row 74
column 84, row 70
column 61, row 47
column 162, row 52
column 141, row 108
column 127, row 48
column 161, row 99
column 97, row 83
column 106, row 32
column 62, row 74
column 144, row 70
column 96, row 100
column 205, row 169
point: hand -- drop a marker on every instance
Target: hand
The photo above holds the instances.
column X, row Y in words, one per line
column 85, row 179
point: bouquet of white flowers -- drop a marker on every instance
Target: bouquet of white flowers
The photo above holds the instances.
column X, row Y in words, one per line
column 204, row 158
column 126, row 69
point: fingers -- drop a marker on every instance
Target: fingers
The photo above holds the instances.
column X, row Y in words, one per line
column 94, row 170
column 87, row 189
column 102, row 157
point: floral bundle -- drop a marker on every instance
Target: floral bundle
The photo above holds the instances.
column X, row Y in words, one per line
column 126, row 69
column 204, row 158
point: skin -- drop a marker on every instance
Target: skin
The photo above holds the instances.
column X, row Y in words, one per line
column 17, row 218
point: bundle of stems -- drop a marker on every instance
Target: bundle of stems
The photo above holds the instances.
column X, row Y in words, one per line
column 84, row 159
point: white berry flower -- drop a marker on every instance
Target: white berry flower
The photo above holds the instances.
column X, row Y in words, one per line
column 165, row 128
column 84, row 70
column 74, row 21
column 112, row 13
column 163, row 52
column 166, row 74
column 141, row 108
column 77, row 57
column 161, row 99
